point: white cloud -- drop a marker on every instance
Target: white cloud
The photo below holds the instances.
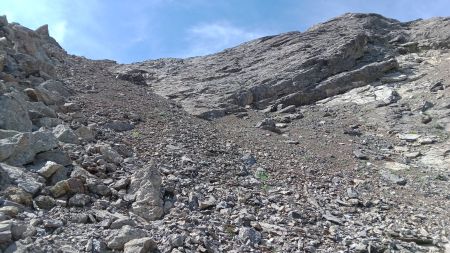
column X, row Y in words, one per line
column 210, row 38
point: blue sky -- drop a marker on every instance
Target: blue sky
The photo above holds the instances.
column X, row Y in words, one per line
column 137, row 30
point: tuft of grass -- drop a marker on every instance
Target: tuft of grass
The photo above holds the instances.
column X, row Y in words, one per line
column 229, row 229
column 135, row 134
column 263, row 177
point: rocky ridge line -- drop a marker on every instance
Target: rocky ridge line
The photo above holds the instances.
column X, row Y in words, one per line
column 290, row 69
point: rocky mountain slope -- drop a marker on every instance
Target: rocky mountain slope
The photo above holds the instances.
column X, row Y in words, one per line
column 293, row 68
column 331, row 140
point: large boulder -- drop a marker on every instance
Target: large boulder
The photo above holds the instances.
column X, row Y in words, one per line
column 146, row 186
column 127, row 233
column 53, row 92
column 22, row 148
column 14, row 113
column 65, row 134
column 142, row 245
column 24, row 179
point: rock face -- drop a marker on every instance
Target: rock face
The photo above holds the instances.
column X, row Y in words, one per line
column 293, row 68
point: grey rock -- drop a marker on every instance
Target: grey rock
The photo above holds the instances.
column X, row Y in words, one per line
column 79, row 172
column 207, row 203
column 24, row 179
column 360, row 155
column 146, row 186
column 248, row 159
column 409, row 137
column 141, row 245
column 391, row 177
column 22, row 148
column 176, row 240
column 135, row 76
column 119, row 126
column 5, row 226
column 119, row 223
column 98, row 188
column 59, row 189
column 55, row 155
column 38, row 110
column 426, row 106
column 5, row 237
column 121, row 184
column 59, row 175
column 53, row 92
column 14, row 114
column 268, row 124
column 65, row 134
column 79, row 218
column 70, row 107
column 123, row 150
column 85, row 133
column 21, row 230
column 79, row 200
column 53, row 223
column 48, row 122
column 49, row 169
column 110, row 154
column 248, row 234
column 45, row 202
column 287, row 109
column 118, row 240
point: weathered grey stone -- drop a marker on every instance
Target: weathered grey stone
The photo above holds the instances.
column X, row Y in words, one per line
column 110, row 154
column 176, row 240
column 38, row 110
column 29, row 182
column 55, row 155
column 393, row 178
column 85, row 133
column 65, row 134
column 11, row 211
column 59, row 189
column 97, row 187
column 5, row 237
column 14, row 114
column 146, row 186
column 122, row 222
column 53, row 223
column 268, row 124
column 27, row 145
column 49, row 169
column 79, row 200
column 53, row 92
column 21, row 230
column 124, row 235
column 48, row 122
column 19, row 196
column 119, row 126
column 248, row 234
column 141, row 245
column 45, row 202
column 70, row 107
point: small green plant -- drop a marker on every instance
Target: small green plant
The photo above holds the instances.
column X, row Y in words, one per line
column 263, row 177
column 135, row 134
column 229, row 229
